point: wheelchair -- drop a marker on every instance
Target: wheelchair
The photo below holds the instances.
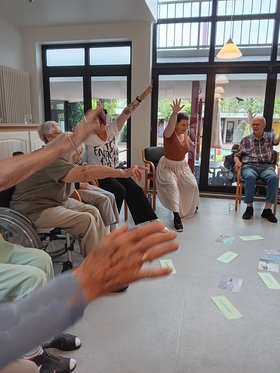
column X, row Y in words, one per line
column 18, row 229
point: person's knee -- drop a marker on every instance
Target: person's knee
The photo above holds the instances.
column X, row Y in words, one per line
column 35, row 279
column 43, row 261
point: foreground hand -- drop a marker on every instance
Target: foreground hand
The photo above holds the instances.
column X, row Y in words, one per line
column 119, row 259
column 87, row 127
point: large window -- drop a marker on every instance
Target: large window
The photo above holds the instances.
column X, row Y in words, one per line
column 185, row 28
column 77, row 76
column 188, row 36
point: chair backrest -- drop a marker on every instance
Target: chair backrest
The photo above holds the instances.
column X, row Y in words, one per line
column 6, row 197
column 153, row 154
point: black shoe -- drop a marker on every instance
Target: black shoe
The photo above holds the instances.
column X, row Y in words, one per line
column 268, row 214
column 178, row 226
column 58, row 363
column 64, row 342
column 248, row 213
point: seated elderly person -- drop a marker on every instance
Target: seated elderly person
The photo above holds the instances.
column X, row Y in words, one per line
column 44, row 197
column 92, row 194
column 116, row 261
column 255, row 157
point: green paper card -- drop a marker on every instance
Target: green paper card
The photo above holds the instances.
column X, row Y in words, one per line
column 226, row 307
column 227, row 257
column 251, row 238
column 167, row 263
column 269, row 280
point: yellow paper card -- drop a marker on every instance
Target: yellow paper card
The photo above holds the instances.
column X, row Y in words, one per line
column 167, row 263
column 269, row 280
column 226, row 307
column 227, row 257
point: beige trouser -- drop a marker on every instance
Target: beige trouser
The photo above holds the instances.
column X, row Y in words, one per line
column 21, row 366
column 77, row 218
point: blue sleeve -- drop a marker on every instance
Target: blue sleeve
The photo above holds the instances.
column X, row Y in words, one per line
column 43, row 314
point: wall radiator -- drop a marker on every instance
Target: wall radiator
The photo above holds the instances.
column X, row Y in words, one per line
column 15, row 100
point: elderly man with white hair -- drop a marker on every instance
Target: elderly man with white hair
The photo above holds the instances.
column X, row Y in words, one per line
column 255, row 157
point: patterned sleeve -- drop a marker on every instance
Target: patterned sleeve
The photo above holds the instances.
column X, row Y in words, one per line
column 43, row 314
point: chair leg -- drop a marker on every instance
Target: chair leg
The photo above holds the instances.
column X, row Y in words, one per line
column 275, row 204
column 154, row 198
column 125, row 211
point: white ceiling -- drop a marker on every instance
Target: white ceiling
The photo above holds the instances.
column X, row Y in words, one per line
column 22, row 13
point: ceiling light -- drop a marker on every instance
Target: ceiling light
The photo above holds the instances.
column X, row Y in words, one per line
column 222, row 79
column 219, row 90
column 230, row 50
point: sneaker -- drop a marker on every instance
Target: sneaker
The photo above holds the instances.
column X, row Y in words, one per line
column 249, row 212
column 178, row 226
column 59, row 364
column 268, row 214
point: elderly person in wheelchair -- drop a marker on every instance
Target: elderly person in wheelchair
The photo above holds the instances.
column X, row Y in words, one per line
column 44, row 197
column 92, row 194
column 29, row 321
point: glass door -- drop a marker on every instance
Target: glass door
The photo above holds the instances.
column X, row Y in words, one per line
column 111, row 92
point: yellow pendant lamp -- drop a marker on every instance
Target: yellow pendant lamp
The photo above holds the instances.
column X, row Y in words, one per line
column 230, row 50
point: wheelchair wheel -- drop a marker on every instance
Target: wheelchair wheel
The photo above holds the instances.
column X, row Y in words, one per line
column 17, row 229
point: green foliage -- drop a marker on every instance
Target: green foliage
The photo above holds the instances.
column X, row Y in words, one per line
column 76, row 113
column 249, row 107
column 165, row 109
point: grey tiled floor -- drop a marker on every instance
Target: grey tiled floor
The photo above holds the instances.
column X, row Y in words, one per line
column 171, row 325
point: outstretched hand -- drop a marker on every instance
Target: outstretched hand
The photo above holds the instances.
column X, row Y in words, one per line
column 176, row 106
column 119, row 259
column 87, row 126
column 135, row 172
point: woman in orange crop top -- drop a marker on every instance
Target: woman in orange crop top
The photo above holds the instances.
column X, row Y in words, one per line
column 176, row 185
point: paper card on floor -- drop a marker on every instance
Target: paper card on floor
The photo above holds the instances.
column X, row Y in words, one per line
column 251, row 238
column 232, row 283
column 268, row 265
column 229, row 240
column 227, row 257
column 167, row 263
column 273, row 252
column 269, row 280
column 273, row 258
column 226, row 307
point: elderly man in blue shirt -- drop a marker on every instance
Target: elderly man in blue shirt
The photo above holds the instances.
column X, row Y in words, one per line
column 255, row 157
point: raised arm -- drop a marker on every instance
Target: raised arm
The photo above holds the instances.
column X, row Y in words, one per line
column 122, row 118
column 16, row 169
column 176, row 108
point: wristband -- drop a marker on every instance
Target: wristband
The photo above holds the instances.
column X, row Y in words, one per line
column 138, row 99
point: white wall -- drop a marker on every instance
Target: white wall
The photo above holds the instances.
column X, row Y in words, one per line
column 11, row 45
column 141, row 36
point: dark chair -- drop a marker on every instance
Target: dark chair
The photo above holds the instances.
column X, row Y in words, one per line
column 151, row 157
column 18, row 229
column 259, row 183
